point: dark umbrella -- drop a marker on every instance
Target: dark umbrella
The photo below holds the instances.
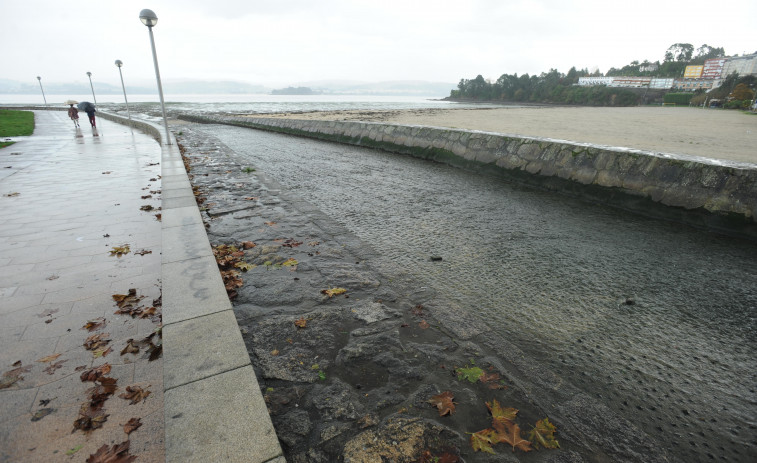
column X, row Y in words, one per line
column 86, row 106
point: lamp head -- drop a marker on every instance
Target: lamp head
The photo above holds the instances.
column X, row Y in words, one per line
column 119, row 63
column 89, row 74
column 39, row 78
column 148, row 17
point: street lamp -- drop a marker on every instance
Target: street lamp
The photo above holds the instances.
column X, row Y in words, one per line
column 149, row 19
column 120, row 63
column 89, row 74
column 43, row 90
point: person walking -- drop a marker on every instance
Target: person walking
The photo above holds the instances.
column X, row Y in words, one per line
column 73, row 113
column 91, row 114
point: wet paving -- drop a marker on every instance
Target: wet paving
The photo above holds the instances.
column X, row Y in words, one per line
column 656, row 320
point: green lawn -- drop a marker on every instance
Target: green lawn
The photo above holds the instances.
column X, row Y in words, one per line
column 16, row 123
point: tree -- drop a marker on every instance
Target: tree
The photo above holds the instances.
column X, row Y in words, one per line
column 742, row 92
column 680, row 52
column 706, row 52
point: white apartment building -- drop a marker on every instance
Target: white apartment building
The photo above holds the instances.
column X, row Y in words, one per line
column 744, row 65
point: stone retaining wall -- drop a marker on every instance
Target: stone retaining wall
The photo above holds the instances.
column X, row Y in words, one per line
column 719, row 195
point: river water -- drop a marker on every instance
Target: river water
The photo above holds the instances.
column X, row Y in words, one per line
column 655, row 319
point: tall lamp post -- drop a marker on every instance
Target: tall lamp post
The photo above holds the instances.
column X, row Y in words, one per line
column 89, row 74
column 149, row 19
column 120, row 63
column 43, row 90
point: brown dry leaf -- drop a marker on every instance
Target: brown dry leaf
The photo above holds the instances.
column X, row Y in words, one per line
column 95, row 324
column 248, row 244
column 116, row 454
column 509, row 433
column 301, row 322
column 291, row 243
column 103, row 389
column 275, row 352
column 135, row 394
column 97, row 341
column 543, row 434
column 333, row 291
column 131, row 348
column 127, row 300
column 89, row 419
column 146, row 207
column 142, row 252
column 482, row 441
column 443, row 402
column 132, row 425
column 158, row 217
column 146, row 197
column 270, row 224
column 49, row 358
column 93, row 374
column 500, row 413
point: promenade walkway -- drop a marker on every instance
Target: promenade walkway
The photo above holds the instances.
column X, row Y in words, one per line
column 81, row 222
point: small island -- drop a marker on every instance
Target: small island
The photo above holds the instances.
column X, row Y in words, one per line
column 295, row 91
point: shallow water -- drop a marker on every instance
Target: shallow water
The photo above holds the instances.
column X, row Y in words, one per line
column 554, row 274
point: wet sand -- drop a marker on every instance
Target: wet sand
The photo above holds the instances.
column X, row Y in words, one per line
column 710, row 133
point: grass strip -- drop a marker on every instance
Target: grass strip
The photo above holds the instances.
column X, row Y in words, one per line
column 16, row 123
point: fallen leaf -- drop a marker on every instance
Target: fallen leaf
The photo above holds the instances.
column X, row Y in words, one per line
column 93, row 374
column 543, row 435
column 146, row 208
column 142, row 252
column 482, row 441
column 291, row 243
column 471, row 374
column 424, row 324
column 154, row 350
column 101, row 352
column 90, row 419
column 130, row 348
column 116, row 454
column 248, row 244
column 244, row 266
column 11, row 377
column 135, row 394
column 333, row 291
column 10, row 195
column 499, row 413
column 443, row 402
column 95, row 324
column 291, row 263
column 49, row 358
column 103, row 389
column 146, row 197
column 509, row 433
column 158, row 217
column 96, row 341
column 132, row 425
column 275, row 352
column 41, row 413
column 119, row 251
column 300, row 323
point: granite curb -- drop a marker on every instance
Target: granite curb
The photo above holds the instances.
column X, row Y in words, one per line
column 214, row 409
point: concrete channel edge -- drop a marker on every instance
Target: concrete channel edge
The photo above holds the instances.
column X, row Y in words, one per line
column 214, row 409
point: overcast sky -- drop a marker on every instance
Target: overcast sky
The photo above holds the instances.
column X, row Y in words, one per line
column 279, row 43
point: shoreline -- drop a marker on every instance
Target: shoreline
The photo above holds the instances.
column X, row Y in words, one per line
column 714, row 134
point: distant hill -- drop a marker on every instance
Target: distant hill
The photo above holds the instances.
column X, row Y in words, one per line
column 185, row 86
column 295, row 91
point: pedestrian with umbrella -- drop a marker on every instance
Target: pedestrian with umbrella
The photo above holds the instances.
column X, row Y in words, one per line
column 88, row 108
column 73, row 113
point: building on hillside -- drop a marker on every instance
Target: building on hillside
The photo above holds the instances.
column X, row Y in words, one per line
column 713, row 68
column 661, row 82
column 631, row 82
column 591, row 81
column 745, row 65
column 693, row 72
column 690, row 85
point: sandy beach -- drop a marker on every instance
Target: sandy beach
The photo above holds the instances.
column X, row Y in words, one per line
column 710, row 133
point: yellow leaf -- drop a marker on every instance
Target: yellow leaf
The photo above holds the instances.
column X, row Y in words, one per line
column 334, row 291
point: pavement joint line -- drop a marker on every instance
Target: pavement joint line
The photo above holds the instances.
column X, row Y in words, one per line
column 207, row 377
column 230, row 443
